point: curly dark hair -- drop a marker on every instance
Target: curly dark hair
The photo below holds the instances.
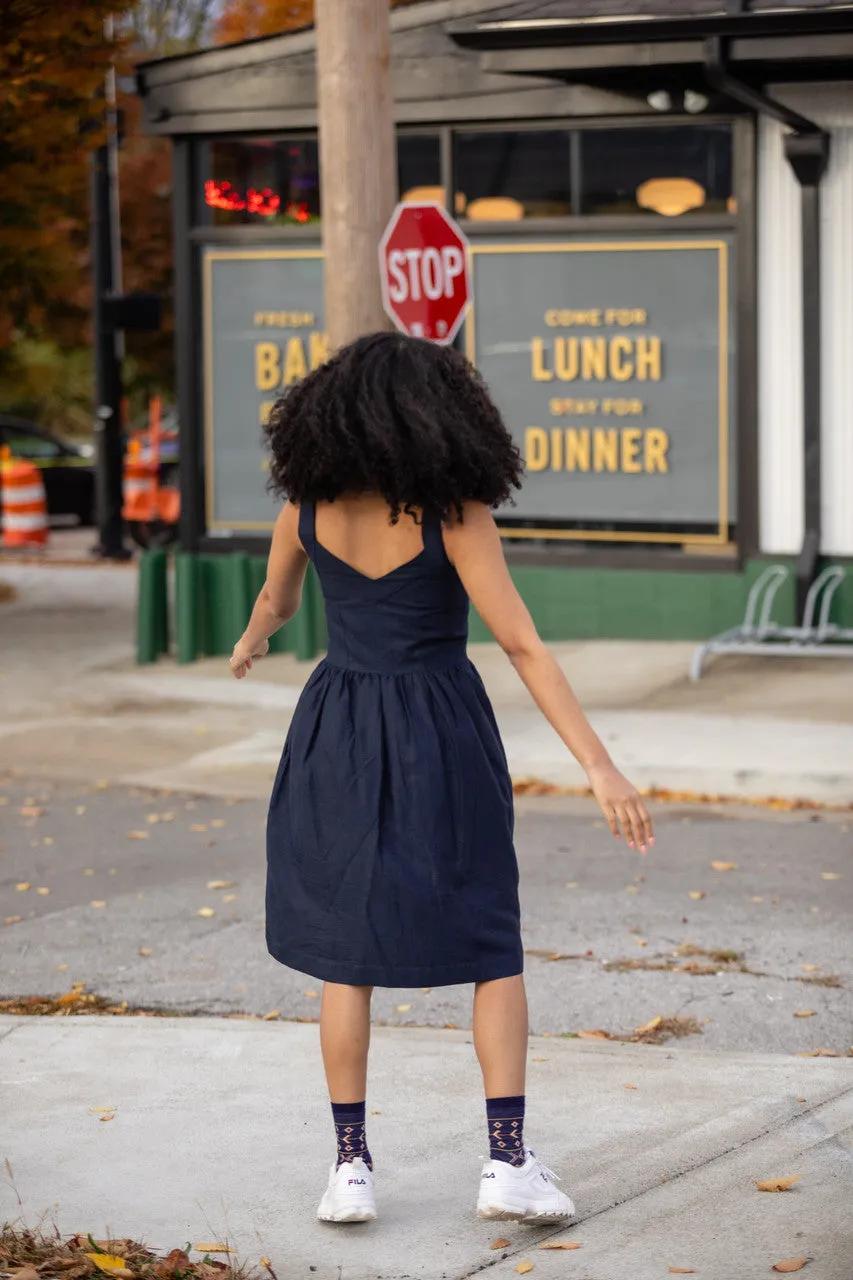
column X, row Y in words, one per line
column 397, row 416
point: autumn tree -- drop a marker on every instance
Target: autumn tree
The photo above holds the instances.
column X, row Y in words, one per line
column 249, row 19
column 53, row 58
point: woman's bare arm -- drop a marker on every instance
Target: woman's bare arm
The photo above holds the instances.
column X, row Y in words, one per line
column 474, row 547
column 281, row 594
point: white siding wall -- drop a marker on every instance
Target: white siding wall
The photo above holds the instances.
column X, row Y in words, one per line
column 780, row 338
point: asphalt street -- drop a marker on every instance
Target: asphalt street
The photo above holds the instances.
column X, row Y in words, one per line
column 119, row 896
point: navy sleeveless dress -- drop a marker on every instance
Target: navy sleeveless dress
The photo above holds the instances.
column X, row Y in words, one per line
column 390, row 858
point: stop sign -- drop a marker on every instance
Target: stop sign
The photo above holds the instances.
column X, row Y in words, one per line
column 426, row 286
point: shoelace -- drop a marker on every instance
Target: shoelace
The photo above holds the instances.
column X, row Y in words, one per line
column 555, row 1177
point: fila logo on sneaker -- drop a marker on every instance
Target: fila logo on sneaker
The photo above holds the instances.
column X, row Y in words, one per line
column 545, row 1178
column 357, row 1182
column 487, row 1175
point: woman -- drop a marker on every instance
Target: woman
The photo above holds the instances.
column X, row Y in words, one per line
column 390, row 836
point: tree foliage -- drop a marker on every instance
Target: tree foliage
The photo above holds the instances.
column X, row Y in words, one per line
column 160, row 27
column 53, row 58
column 248, row 19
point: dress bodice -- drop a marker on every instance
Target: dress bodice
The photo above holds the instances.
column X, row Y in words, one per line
column 413, row 618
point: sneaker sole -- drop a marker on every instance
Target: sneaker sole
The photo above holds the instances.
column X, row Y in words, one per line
column 495, row 1213
column 353, row 1214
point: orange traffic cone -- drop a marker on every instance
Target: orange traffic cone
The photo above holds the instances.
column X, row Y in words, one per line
column 24, row 510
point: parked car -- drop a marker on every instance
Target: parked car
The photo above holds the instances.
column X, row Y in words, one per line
column 68, row 469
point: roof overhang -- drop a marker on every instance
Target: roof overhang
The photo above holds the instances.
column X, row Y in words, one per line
column 766, row 46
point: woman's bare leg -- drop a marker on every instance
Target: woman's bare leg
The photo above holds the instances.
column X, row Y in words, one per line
column 500, row 1035
column 345, row 1040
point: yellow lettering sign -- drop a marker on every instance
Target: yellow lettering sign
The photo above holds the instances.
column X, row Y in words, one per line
column 267, row 366
column 536, row 448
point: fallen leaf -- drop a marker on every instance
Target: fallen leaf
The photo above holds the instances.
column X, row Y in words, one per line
column 312, row 995
column 403, row 1008
column 217, row 822
column 572, row 884
column 631, row 888
column 524, row 1267
column 31, row 811
column 265, row 1262
column 650, row 1026
column 801, row 1099
column 777, row 1184
column 696, row 894
column 791, row 1264
column 99, row 1111
column 559, row 1244
column 144, row 951
column 681, row 1271
column 641, row 942
column 13, row 920
column 137, row 835
column 221, row 884
column 724, row 866
column 97, row 903
column 272, row 1015
column 23, row 886
column 810, row 968
column 105, row 1119
column 48, row 840
column 89, row 871
column 43, row 891
column 500, row 1243
column 829, row 875
column 629, row 1086
column 805, row 1013
column 229, row 897
column 594, row 1035
column 426, row 990
column 756, row 899
column 538, row 1059
column 206, row 911
column 376, row 1113
column 60, row 968
column 215, row 1248
column 819, row 1053
column 80, row 810
column 198, row 826
column 101, row 784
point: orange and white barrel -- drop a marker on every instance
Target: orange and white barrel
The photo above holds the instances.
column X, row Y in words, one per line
column 23, row 515
column 137, row 484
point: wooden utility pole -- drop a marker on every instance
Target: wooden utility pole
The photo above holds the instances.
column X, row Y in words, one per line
column 358, row 159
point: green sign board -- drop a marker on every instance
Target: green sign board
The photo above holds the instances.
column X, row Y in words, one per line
column 611, row 363
column 263, row 331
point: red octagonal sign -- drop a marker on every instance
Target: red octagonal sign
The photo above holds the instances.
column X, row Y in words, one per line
column 426, row 286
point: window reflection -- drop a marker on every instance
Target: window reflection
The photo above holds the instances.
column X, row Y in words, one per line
column 623, row 170
column 511, row 175
column 264, row 180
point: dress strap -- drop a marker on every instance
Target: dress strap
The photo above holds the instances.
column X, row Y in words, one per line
column 433, row 538
column 307, row 536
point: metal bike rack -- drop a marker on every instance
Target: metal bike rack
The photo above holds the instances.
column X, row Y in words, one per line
column 821, row 639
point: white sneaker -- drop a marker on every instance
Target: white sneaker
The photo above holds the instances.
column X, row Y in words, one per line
column 349, row 1196
column 521, row 1193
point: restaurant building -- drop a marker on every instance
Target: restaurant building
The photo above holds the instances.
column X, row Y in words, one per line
column 660, row 211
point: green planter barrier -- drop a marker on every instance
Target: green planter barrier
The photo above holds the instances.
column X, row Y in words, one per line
column 152, row 608
column 214, row 595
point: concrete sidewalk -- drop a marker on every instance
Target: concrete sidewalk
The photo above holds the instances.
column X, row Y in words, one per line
column 222, row 1131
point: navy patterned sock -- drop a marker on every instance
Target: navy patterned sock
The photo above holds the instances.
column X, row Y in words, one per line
column 506, row 1129
column 349, row 1131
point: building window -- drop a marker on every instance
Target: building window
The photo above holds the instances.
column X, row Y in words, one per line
column 263, row 180
column 419, row 167
column 670, row 170
column 507, row 176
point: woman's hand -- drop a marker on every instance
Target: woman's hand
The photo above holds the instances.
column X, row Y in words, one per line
column 243, row 656
column 621, row 805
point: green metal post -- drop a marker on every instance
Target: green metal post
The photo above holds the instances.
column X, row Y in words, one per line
column 152, row 611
